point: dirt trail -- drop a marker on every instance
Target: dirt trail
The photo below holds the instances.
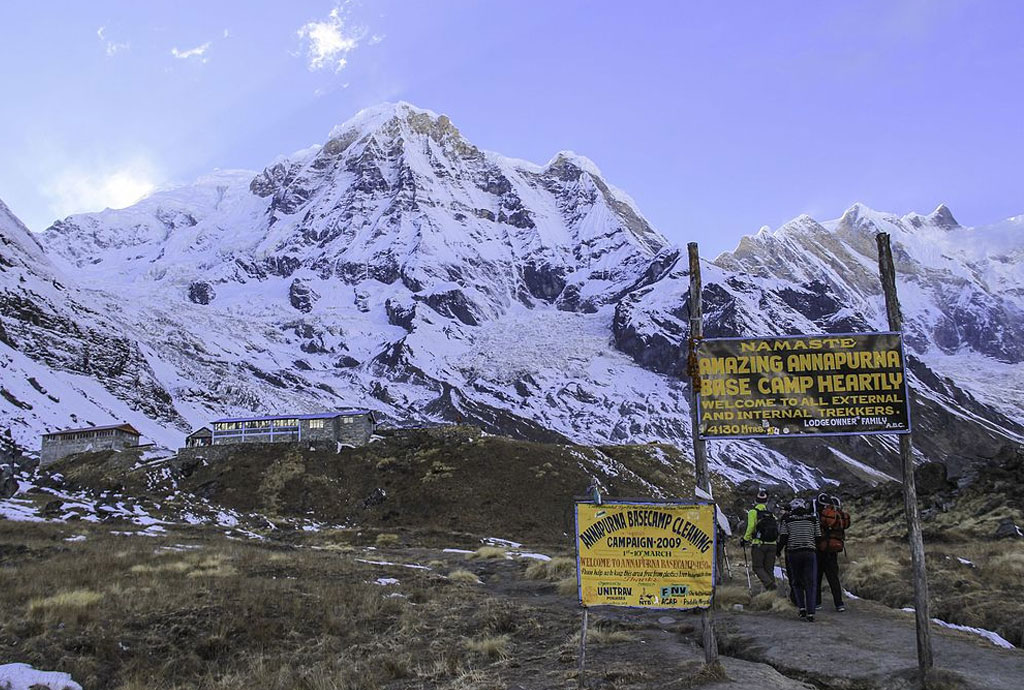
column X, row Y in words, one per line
column 869, row 646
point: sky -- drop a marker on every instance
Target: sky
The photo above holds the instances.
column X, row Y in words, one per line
column 716, row 117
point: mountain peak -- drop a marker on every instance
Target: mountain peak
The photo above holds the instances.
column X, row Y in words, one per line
column 943, row 217
column 374, row 117
column 563, row 158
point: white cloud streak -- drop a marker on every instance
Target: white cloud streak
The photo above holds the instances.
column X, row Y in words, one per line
column 329, row 42
column 197, row 52
column 112, row 48
column 78, row 190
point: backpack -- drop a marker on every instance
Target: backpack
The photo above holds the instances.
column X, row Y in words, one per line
column 767, row 527
column 834, row 523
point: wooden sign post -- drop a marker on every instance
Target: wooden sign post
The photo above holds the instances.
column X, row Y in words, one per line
column 700, row 456
column 887, row 272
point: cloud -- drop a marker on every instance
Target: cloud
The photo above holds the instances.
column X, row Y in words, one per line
column 328, row 42
column 112, row 48
column 78, row 190
column 197, row 52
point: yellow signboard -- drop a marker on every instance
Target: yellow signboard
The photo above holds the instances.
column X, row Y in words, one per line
column 645, row 555
column 823, row 385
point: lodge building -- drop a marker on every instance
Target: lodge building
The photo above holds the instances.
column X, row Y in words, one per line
column 60, row 444
column 352, row 427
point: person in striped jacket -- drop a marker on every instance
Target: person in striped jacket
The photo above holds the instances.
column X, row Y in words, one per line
column 798, row 535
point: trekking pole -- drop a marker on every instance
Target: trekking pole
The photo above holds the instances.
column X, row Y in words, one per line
column 746, row 566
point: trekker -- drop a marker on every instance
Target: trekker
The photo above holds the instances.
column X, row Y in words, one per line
column 798, row 534
column 833, row 522
column 762, row 533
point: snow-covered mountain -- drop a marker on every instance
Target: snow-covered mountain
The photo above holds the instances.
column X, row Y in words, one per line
column 401, row 268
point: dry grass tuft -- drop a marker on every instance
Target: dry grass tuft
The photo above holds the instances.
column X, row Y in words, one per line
column 491, row 646
column 487, row 552
column 728, row 595
column 879, row 575
column 72, row 605
column 553, row 570
column 1006, row 569
column 705, row 674
column 386, row 539
column 568, row 587
column 770, row 601
column 463, row 575
column 602, row 636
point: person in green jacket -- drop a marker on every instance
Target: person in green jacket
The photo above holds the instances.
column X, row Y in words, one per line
column 762, row 533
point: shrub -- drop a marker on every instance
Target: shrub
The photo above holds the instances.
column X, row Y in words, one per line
column 486, row 552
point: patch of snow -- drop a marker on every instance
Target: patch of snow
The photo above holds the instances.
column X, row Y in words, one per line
column 504, row 543
column 456, row 551
column 401, row 565
column 226, row 519
column 534, row 556
column 992, row 637
column 77, row 537
column 24, row 677
column 384, row 581
column 965, row 561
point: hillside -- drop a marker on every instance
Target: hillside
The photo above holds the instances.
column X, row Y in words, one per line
column 448, row 480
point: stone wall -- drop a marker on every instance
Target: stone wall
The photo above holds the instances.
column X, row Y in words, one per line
column 354, row 430
column 55, row 447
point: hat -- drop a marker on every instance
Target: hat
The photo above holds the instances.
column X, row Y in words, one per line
column 798, row 504
column 824, row 499
column 762, row 494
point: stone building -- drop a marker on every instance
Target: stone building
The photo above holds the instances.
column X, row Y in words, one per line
column 199, row 438
column 60, row 444
column 351, row 427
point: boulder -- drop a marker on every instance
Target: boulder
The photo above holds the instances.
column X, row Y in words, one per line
column 201, row 292
column 932, row 478
column 302, row 296
column 8, row 484
column 1007, row 529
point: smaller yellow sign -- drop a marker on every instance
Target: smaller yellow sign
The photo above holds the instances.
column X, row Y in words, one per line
column 645, row 555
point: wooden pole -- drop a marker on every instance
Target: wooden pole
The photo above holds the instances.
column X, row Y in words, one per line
column 700, row 456
column 581, row 676
column 887, row 272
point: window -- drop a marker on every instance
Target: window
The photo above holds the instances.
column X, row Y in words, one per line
column 348, row 420
column 316, row 424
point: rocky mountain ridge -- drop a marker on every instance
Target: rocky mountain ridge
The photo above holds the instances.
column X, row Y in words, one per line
column 399, row 267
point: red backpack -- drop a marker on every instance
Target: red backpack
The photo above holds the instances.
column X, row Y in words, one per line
column 834, row 523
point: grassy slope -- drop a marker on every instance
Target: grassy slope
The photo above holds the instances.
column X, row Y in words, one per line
column 450, row 479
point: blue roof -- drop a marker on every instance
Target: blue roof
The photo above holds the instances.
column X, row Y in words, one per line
column 319, row 415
